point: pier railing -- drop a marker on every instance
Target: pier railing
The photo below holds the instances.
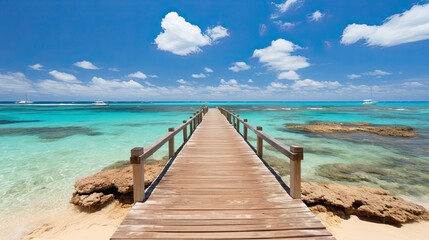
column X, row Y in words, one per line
column 293, row 152
column 139, row 154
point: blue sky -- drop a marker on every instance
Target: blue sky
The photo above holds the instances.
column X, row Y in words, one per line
column 214, row 50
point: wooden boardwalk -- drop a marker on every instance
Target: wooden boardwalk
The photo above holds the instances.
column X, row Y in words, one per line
column 217, row 188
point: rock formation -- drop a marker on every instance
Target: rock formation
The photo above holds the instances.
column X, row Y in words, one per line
column 96, row 191
column 335, row 127
column 365, row 202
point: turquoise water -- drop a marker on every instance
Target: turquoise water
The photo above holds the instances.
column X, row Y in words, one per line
column 45, row 148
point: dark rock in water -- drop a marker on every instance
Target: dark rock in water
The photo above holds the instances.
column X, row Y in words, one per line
column 17, row 121
column 365, row 202
column 96, row 191
column 335, row 127
column 49, row 133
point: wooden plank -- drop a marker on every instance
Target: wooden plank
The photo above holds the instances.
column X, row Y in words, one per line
column 217, row 188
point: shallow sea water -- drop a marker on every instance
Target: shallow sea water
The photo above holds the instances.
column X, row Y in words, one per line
column 45, row 148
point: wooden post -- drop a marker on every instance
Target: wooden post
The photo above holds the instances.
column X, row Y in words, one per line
column 295, row 172
column 185, row 132
column 138, row 173
column 238, row 123
column 195, row 121
column 191, row 126
column 171, row 144
column 245, row 130
column 259, row 147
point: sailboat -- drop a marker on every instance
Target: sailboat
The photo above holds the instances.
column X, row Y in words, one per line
column 369, row 101
column 26, row 101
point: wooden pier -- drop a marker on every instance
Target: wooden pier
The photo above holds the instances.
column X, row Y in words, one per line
column 217, row 187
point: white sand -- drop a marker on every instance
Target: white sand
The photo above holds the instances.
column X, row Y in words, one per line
column 356, row 229
column 102, row 224
column 73, row 224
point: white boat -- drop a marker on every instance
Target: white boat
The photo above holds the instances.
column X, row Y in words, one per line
column 99, row 103
column 369, row 101
column 26, row 101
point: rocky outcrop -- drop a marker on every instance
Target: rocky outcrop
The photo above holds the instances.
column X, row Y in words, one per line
column 96, row 191
column 335, row 127
column 365, row 202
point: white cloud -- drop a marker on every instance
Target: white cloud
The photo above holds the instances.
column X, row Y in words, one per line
column 109, row 85
column 308, row 84
column 239, row 66
column 316, row 16
column 86, row 65
column 290, row 75
column 14, row 82
column 113, row 69
column 199, row 75
column 278, row 57
column 353, row 76
column 182, row 38
column 208, row 70
column 217, row 32
column 152, row 76
column 276, row 86
column 262, row 29
column 377, row 73
column 284, row 25
column 283, row 7
column 182, row 81
column 409, row 26
column 138, row 75
column 36, row 66
column 62, row 76
column 250, row 81
column 412, row 84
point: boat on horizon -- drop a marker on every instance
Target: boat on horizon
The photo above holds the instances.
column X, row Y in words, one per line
column 369, row 101
column 99, row 103
column 26, row 101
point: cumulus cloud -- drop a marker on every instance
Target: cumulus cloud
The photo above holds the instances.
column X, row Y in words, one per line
column 239, row 66
column 276, row 86
column 308, row 84
column 409, row 26
column 284, row 25
column 36, row 66
column 250, row 81
column 109, row 85
column 217, row 32
column 278, row 57
column 208, row 70
column 198, row 75
column 316, row 16
column 14, row 82
column 290, row 75
column 182, row 38
column 353, row 76
column 182, row 81
column 138, row 75
column 62, row 76
column 86, row 65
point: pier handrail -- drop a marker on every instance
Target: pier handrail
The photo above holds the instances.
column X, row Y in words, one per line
column 139, row 154
column 293, row 152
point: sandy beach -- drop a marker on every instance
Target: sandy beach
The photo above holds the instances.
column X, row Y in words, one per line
column 102, row 224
